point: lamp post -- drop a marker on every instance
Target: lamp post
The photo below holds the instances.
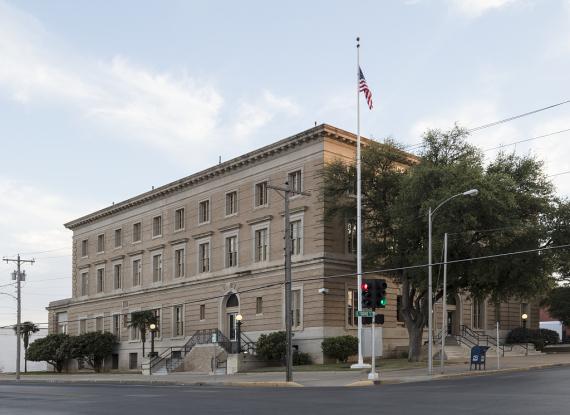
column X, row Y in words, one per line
column 239, row 318
column 524, row 318
column 152, row 328
column 471, row 192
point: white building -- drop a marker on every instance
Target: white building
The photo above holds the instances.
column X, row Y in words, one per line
column 8, row 354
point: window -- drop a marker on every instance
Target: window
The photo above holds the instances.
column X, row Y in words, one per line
column 178, row 320
column 261, row 245
column 134, row 332
column 117, row 325
column 100, row 280
column 261, row 194
column 137, row 232
column 156, row 226
column 84, row 283
column 99, row 324
column 259, row 305
column 101, row 243
column 399, row 316
column 84, row 245
column 157, row 268
column 202, row 311
column 204, row 211
column 350, row 234
column 156, row 313
column 137, row 272
column 204, row 257
column 133, row 361
column 231, row 251
column 296, row 308
column 478, row 314
column 351, row 307
column 82, row 326
column 61, row 322
column 118, row 238
column 231, row 203
column 179, row 219
column 296, row 237
column 117, row 276
column 295, row 181
column 179, row 267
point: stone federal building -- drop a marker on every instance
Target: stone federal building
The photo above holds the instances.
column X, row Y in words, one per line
column 203, row 249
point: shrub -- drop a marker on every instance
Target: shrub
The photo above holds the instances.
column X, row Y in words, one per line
column 93, row 347
column 549, row 336
column 340, row 348
column 300, row 358
column 539, row 338
column 272, row 346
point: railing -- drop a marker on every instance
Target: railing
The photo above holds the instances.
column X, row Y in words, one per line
column 472, row 338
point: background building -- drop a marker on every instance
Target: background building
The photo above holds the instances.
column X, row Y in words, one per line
column 8, row 348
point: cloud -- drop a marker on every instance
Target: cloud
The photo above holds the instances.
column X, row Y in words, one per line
column 170, row 111
column 476, row 8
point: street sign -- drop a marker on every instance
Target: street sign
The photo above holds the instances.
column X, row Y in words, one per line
column 365, row 313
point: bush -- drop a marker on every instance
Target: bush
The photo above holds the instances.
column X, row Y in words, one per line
column 300, row 358
column 93, row 347
column 549, row 336
column 272, row 346
column 539, row 338
column 340, row 348
column 54, row 349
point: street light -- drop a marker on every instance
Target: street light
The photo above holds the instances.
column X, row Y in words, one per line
column 524, row 318
column 471, row 192
column 152, row 328
column 239, row 318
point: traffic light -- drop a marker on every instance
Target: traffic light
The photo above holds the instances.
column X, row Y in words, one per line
column 380, row 291
column 367, row 300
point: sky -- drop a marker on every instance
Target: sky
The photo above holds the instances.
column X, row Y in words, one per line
column 100, row 101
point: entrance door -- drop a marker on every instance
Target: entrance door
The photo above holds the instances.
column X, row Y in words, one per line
column 232, row 326
column 450, row 322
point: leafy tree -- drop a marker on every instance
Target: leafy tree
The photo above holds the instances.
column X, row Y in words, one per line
column 27, row 328
column 141, row 320
column 558, row 303
column 515, row 210
column 93, row 347
column 272, row 346
column 54, row 349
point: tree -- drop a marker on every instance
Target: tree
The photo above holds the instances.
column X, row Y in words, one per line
column 141, row 320
column 93, row 347
column 27, row 328
column 272, row 346
column 54, row 349
column 558, row 303
column 514, row 211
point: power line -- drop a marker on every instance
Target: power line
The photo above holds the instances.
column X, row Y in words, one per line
column 528, row 139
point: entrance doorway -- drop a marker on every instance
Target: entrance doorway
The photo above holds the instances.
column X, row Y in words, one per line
column 232, row 326
column 231, row 312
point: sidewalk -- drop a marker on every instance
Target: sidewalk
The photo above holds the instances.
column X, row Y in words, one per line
column 313, row 379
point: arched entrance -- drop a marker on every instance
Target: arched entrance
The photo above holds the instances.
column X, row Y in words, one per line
column 231, row 310
column 453, row 314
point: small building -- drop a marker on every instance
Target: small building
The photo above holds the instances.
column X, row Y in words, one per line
column 204, row 249
column 8, row 346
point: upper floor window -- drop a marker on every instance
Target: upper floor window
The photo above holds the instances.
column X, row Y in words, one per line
column 231, row 251
column 351, row 307
column 204, row 211
column 296, row 237
column 61, row 322
column 231, row 203
column 137, row 232
column 137, row 272
column 202, row 311
column 295, row 181
column 118, row 238
column 117, row 276
column 101, row 243
column 261, row 194
column 116, row 327
column 157, row 268
column 178, row 320
column 179, row 219
column 179, row 268
column 157, row 226
column 83, row 326
column 84, row 283
column 297, row 302
column 100, row 280
column 204, row 257
column 259, row 305
column 261, row 245
column 99, row 324
column 84, row 246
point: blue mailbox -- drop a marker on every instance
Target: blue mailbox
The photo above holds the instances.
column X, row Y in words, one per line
column 478, row 357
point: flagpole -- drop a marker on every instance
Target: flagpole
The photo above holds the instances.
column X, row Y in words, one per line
column 360, row 363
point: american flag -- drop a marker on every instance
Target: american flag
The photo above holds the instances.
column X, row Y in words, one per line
column 363, row 87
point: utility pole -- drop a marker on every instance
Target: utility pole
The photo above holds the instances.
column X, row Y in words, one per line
column 287, row 191
column 18, row 275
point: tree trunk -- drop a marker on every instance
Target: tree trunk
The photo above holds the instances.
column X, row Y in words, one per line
column 414, row 312
column 415, row 335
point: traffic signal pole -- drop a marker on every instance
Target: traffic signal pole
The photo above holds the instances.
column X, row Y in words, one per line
column 373, row 375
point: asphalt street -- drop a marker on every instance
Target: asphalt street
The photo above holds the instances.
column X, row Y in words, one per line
column 530, row 392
